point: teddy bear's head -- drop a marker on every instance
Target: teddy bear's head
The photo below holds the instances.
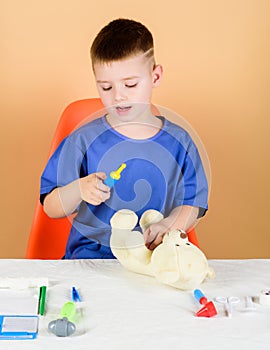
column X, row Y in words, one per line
column 179, row 263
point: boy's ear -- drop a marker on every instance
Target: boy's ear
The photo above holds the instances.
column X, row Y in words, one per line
column 157, row 75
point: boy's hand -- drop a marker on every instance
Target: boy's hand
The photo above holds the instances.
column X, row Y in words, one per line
column 93, row 190
column 154, row 234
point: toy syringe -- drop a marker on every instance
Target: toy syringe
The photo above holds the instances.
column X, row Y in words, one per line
column 114, row 176
column 208, row 309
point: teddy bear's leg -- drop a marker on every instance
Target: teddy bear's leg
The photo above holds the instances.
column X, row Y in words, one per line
column 122, row 223
column 124, row 219
column 127, row 245
column 150, row 217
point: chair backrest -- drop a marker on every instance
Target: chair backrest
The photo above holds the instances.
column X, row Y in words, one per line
column 48, row 237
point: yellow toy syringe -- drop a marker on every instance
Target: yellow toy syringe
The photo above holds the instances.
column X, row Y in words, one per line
column 114, row 176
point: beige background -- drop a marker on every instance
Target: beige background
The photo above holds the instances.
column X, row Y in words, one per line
column 216, row 58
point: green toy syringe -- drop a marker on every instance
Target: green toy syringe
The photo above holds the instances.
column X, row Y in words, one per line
column 69, row 311
column 114, row 176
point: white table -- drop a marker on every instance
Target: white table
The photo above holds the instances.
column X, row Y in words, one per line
column 123, row 310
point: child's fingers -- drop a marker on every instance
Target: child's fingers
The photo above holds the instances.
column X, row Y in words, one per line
column 101, row 175
column 99, row 197
column 153, row 236
column 104, row 196
column 93, row 190
column 100, row 185
column 146, row 234
column 149, row 237
column 155, row 243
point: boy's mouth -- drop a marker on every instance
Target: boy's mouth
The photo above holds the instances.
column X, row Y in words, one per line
column 121, row 110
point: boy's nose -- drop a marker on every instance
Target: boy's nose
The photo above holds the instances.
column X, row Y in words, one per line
column 119, row 95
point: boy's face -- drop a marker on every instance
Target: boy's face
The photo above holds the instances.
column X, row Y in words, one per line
column 126, row 86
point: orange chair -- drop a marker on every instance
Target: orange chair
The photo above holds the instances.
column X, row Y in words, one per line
column 48, row 237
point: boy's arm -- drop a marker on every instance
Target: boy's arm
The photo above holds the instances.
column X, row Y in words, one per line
column 63, row 201
column 182, row 217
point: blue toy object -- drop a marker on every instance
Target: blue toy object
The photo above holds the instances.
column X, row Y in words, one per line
column 114, row 176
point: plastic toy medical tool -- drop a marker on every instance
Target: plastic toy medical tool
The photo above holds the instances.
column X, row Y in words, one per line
column 75, row 294
column 264, row 298
column 249, row 304
column 114, row 176
column 228, row 303
column 63, row 327
column 208, row 310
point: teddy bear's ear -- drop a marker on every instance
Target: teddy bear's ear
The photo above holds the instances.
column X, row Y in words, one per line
column 164, row 264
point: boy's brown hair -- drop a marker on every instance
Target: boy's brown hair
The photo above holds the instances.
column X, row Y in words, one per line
column 120, row 39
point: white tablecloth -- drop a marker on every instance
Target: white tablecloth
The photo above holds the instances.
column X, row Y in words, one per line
column 123, row 310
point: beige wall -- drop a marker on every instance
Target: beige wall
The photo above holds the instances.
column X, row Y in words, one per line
column 216, row 58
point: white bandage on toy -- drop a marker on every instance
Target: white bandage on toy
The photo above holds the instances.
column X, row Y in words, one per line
column 176, row 261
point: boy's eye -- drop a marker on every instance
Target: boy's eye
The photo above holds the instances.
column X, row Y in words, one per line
column 106, row 88
column 131, row 85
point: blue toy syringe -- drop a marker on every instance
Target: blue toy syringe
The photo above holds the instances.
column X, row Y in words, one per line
column 114, row 176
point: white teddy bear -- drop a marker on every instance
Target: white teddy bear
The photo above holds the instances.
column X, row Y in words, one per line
column 176, row 261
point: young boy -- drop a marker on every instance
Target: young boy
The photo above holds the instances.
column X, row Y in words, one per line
column 163, row 168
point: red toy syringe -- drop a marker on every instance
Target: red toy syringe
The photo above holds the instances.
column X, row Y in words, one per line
column 208, row 310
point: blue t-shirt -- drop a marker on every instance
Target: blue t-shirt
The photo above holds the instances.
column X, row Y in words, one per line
column 162, row 172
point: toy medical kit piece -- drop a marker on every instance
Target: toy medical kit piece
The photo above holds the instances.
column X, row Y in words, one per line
column 18, row 327
column 208, row 309
column 114, row 176
column 264, row 298
column 175, row 262
column 228, row 303
column 75, row 295
column 42, row 300
column 68, row 311
column 63, row 327
column 18, row 308
column 23, row 282
column 249, row 305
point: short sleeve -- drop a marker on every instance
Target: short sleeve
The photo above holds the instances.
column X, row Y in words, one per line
column 63, row 167
column 193, row 184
